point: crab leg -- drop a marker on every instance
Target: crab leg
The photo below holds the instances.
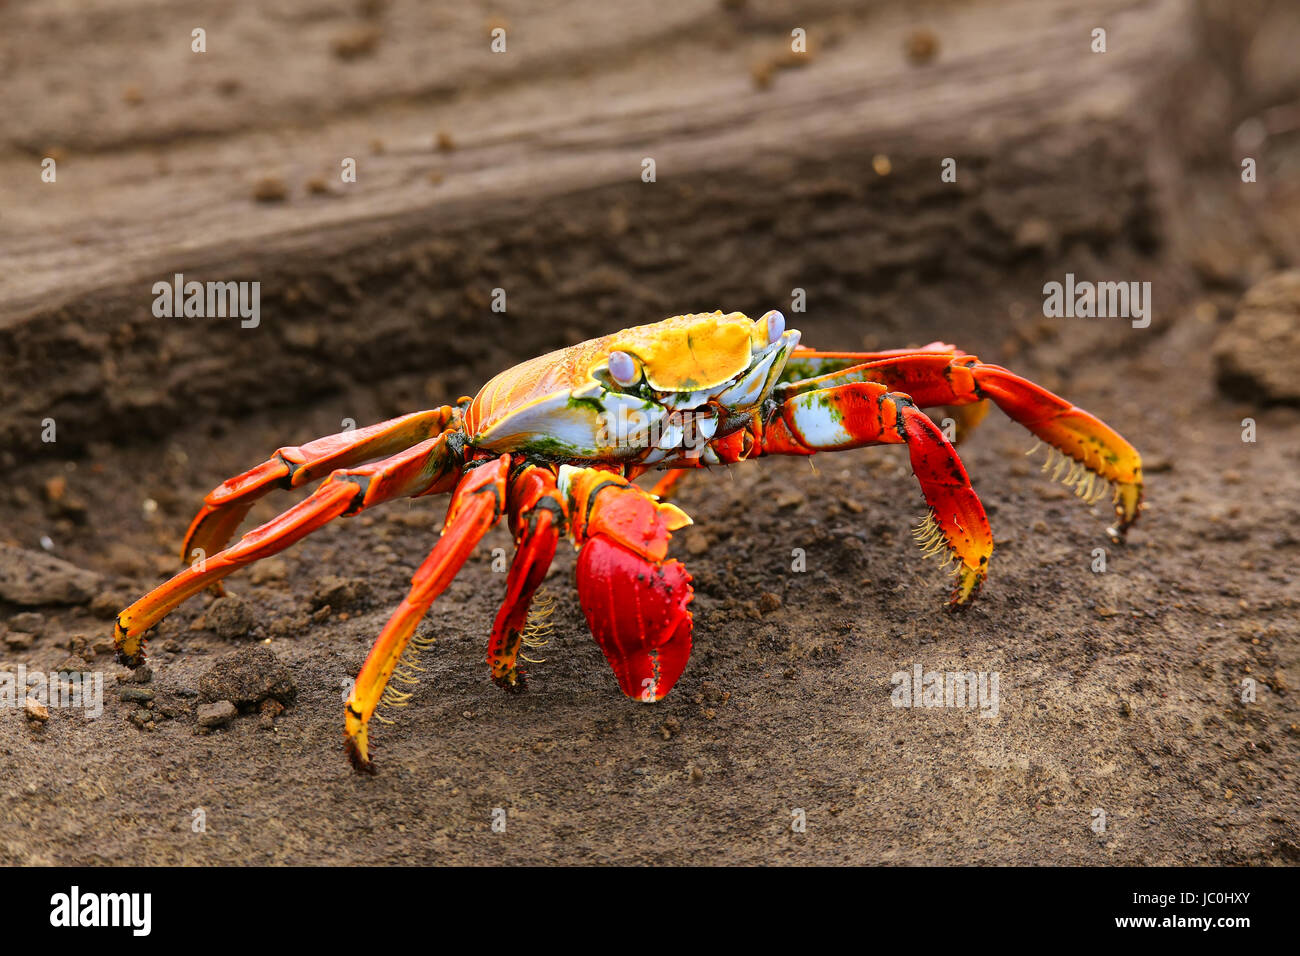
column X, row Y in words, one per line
column 423, row 469
column 668, row 483
column 476, row 504
column 1076, row 434
column 633, row 598
column 1098, row 456
column 866, row 413
column 538, row 518
column 226, row 506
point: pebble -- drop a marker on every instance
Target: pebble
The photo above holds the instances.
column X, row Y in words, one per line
column 273, row 569
column 790, row 499
column 270, row 189
column 697, row 543
column 229, row 617
column 247, row 677
column 339, row 593
column 29, row 622
column 217, row 714
column 922, row 44
column 107, row 605
column 36, row 711
column 18, row 641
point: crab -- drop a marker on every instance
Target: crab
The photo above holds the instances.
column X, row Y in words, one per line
column 554, row 445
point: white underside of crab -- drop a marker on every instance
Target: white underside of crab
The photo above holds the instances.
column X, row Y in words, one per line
column 819, row 423
column 597, row 422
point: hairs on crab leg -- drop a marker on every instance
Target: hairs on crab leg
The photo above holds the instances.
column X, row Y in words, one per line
column 866, row 413
column 429, row 467
column 476, row 504
column 941, row 375
column 226, row 506
column 1099, row 458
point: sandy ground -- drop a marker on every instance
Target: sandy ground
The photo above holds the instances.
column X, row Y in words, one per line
column 1120, row 691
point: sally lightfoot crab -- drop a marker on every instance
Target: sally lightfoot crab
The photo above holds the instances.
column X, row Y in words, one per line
column 555, row 443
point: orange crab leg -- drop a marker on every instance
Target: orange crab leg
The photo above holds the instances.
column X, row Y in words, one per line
column 866, row 413
column 423, row 469
column 538, row 518
column 1098, row 456
column 634, row 599
column 226, row 506
column 668, row 482
column 1095, row 448
column 476, row 504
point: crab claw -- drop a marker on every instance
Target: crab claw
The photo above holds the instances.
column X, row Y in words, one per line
column 633, row 596
column 1090, row 456
column 636, row 610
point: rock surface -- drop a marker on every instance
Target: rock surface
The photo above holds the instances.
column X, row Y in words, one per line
column 32, row 578
column 1256, row 355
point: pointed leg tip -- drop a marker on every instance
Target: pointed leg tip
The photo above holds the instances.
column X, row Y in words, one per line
column 1126, row 515
column 969, row 582
column 132, row 661
column 512, row 685
column 121, row 640
column 356, row 756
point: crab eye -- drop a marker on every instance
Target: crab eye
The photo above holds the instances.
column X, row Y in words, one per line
column 775, row 325
column 623, row 368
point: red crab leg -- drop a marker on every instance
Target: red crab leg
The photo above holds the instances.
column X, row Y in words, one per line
column 476, row 504
column 940, row 375
column 426, row 468
column 633, row 598
column 537, row 517
column 226, row 506
column 866, row 413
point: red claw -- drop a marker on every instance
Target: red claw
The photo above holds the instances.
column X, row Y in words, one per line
column 636, row 610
